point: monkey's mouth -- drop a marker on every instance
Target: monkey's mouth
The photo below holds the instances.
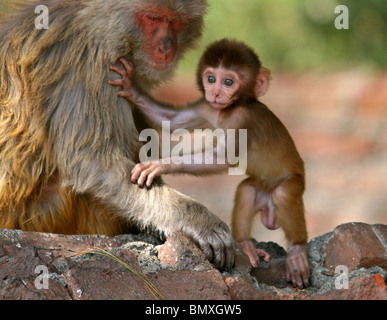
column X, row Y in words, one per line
column 160, row 66
column 157, row 65
column 217, row 105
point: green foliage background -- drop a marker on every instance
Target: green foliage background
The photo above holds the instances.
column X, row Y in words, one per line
column 298, row 35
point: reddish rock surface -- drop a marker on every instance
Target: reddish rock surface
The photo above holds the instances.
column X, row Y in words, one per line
column 179, row 251
column 357, row 245
column 179, row 270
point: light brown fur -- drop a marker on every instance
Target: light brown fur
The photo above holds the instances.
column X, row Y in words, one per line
column 68, row 143
column 276, row 176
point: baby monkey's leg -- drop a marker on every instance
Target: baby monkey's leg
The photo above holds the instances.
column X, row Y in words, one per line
column 245, row 208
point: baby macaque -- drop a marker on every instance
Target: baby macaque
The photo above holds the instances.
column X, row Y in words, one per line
column 231, row 77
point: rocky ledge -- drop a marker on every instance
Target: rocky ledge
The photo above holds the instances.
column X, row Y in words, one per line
column 347, row 263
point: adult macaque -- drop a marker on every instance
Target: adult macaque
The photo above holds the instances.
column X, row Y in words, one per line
column 230, row 76
column 68, row 144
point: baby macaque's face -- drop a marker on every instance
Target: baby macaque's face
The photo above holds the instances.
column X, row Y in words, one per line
column 221, row 87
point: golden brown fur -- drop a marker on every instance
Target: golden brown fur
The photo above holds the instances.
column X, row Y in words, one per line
column 273, row 165
column 231, row 78
column 68, row 143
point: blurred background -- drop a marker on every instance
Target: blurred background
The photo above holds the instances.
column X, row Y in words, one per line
column 329, row 87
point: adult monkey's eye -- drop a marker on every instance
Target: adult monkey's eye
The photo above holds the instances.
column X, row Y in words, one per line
column 228, row 82
column 211, row 79
column 153, row 18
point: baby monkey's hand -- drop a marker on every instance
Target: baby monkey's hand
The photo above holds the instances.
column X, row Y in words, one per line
column 144, row 173
column 129, row 92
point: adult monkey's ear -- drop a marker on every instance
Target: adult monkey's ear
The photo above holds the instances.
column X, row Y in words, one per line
column 262, row 82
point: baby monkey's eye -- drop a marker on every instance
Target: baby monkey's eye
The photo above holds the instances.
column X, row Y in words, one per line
column 228, row 82
column 211, row 79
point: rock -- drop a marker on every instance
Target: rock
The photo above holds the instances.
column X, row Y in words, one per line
column 366, row 287
column 357, row 245
column 272, row 273
column 240, row 288
column 180, row 251
column 47, row 267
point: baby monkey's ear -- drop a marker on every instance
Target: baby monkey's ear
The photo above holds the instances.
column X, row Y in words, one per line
column 262, row 82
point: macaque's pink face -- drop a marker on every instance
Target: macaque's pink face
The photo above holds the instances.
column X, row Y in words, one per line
column 221, row 87
column 160, row 28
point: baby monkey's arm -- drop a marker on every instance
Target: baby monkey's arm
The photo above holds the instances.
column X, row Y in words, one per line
column 190, row 117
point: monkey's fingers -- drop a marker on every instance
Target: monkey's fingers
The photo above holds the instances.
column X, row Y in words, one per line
column 120, row 71
column 135, row 174
column 219, row 253
column 219, row 248
column 125, row 94
column 143, row 177
column 128, row 66
column 156, row 171
column 118, row 82
column 305, row 270
column 230, row 255
column 262, row 253
column 297, row 272
column 136, row 171
column 293, row 274
column 229, row 250
column 250, row 250
column 224, row 250
column 148, row 172
column 206, row 248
